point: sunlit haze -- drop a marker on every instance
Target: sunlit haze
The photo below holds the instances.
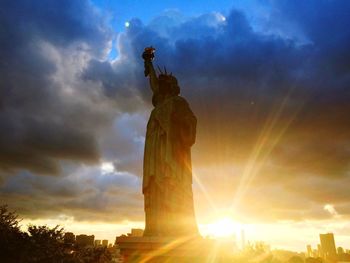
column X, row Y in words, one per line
column 268, row 82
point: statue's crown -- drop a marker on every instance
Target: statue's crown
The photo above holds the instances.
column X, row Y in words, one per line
column 165, row 76
column 169, row 80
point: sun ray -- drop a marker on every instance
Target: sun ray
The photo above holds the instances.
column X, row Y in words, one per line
column 166, row 248
column 222, row 228
column 267, row 141
column 213, row 253
column 205, row 192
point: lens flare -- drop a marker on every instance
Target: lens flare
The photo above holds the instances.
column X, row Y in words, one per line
column 224, row 227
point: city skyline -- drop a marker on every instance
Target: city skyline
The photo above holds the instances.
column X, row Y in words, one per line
column 208, row 231
column 267, row 80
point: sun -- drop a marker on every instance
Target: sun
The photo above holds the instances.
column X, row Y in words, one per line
column 223, row 227
column 107, row 168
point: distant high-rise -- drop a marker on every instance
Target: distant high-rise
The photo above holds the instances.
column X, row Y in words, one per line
column 136, row 232
column 97, row 242
column 328, row 245
column 340, row 250
column 85, row 240
column 69, row 238
column 243, row 238
column 105, row 243
column 309, row 251
column 320, row 252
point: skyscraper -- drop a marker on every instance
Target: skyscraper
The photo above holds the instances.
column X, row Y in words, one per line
column 309, row 251
column 328, row 246
column 320, row 252
column 340, row 250
column 136, row 232
column 85, row 240
column 243, row 238
column 69, row 238
column 105, row 243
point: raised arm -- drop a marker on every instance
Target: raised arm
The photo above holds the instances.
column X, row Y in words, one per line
column 148, row 56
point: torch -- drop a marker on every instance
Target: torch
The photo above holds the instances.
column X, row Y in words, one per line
column 148, row 56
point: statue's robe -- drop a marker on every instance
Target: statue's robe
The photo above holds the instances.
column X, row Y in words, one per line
column 167, row 171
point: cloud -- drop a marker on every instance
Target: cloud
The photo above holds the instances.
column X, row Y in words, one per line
column 271, row 101
column 241, row 82
column 330, row 208
column 87, row 193
column 47, row 112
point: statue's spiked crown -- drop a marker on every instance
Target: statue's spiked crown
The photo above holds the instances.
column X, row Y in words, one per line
column 165, row 79
column 168, row 80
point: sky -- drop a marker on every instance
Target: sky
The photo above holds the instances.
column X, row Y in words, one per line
column 268, row 81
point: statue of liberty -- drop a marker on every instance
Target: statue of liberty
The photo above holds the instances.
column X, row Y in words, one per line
column 167, row 169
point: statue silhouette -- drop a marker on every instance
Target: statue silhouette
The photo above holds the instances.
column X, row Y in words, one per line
column 167, row 169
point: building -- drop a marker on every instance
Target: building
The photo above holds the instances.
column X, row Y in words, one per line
column 97, row 242
column 69, row 238
column 309, row 251
column 328, row 246
column 320, row 253
column 340, row 250
column 136, row 232
column 85, row 240
column 243, row 238
column 105, row 243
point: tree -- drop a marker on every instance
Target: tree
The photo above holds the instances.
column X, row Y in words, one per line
column 92, row 255
column 42, row 244
column 46, row 244
column 12, row 239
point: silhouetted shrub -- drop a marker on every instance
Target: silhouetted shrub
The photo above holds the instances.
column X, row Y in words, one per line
column 42, row 244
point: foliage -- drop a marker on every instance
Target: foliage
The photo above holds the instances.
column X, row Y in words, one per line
column 46, row 244
column 12, row 239
column 42, row 244
column 93, row 255
column 8, row 220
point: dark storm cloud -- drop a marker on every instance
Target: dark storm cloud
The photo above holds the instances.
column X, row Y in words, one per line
column 52, row 119
column 277, row 98
column 126, row 149
column 40, row 123
column 241, row 82
column 86, row 194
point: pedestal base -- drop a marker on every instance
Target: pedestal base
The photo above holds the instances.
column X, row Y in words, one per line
column 169, row 250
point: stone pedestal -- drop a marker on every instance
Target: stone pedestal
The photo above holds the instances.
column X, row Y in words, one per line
column 166, row 249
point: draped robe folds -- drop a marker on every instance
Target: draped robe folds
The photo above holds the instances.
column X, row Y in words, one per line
column 167, row 171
